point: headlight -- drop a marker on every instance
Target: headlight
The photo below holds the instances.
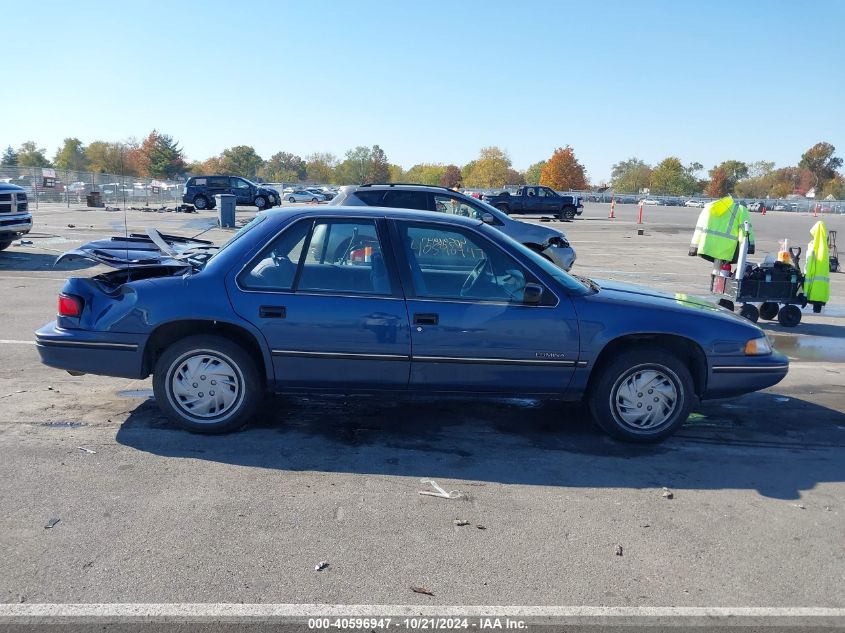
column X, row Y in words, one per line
column 558, row 241
column 758, row 347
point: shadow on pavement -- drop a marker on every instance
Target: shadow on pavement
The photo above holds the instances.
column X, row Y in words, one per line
column 777, row 446
column 26, row 260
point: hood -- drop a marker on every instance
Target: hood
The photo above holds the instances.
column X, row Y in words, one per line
column 658, row 299
column 138, row 251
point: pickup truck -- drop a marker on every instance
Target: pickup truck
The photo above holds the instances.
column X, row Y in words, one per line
column 15, row 219
column 537, row 201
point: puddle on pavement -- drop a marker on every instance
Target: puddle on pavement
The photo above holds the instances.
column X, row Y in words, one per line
column 814, row 348
column 136, row 393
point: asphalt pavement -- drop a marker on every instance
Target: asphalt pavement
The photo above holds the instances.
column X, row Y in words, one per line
column 745, row 506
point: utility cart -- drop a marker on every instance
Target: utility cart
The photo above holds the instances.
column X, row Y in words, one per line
column 777, row 288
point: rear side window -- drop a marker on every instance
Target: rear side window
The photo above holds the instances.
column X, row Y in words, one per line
column 370, row 198
column 218, row 182
column 400, row 199
column 198, row 182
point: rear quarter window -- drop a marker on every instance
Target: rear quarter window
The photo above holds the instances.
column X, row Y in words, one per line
column 406, row 200
column 197, row 182
column 370, row 198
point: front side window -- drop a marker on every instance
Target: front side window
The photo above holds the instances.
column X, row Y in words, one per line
column 326, row 256
column 447, row 263
column 456, row 206
column 240, row 183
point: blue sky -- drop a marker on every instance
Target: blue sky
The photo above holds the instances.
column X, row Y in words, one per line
column 434, row 81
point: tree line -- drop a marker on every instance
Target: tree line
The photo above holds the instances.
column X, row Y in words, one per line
column 160, row 156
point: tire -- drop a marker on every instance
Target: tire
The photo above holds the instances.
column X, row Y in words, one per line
column 568, row 213
column 750, row 312
column 727, row 304
column 314, row 200
column 769, row 311
column 201, row 203
column 5, row 244
column 292, row 200
column 260, row 202
column 504, row 208
column 789, row 315
column 666, row 384
column 216, row 357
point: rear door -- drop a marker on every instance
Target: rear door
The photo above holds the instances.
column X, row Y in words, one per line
column 549, row 202
column 470, row 330
column 329, row 304
column 218, row 185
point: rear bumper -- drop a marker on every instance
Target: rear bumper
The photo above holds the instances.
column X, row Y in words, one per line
column 733, row 376
column 104, row 353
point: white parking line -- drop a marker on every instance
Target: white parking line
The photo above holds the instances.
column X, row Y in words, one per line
column 227, row 610
column 6, row 341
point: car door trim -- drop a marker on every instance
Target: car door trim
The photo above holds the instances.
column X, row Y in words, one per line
column 493, row 361
column 339, row 355
column 721, row 369
column 87, row 344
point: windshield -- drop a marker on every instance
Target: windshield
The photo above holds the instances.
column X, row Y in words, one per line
column 569, row 282
column 246, row 228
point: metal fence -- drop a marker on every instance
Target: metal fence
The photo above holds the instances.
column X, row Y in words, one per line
column 49, row 185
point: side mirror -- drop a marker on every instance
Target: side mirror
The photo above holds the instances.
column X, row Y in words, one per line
column 488, row 218
column 532, row 294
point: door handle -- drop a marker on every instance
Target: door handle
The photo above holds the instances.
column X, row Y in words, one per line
column 272, row 312
column 425, row 318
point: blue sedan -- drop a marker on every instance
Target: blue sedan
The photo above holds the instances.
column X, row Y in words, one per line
column 363, row 300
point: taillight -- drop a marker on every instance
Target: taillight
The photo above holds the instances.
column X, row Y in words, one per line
column 69, row 306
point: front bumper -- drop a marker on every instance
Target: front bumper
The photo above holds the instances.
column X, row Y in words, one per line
column 561, row 256
column 735, row 375
column 104, row 353
column 15, row 225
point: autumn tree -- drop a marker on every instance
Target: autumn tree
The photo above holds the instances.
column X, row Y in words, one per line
column 30, row 155
column 284, row 167
column 320, row 167
column 671, row 177
column 71, row 155
column 821, row 162
column 356, row 166
column 451, row 177
column 718, row 186
column 427, row 174
column 760, row 168
column 241, row 160
column 732, row 172
column 533, row 173
column 379, row 168
column 630, row 176
column 515, row 177
column 10, row 157
column 563, row 171
column 396, row 173
column 161, row 156
column 489, row 170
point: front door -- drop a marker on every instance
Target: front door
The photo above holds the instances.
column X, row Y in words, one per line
column 470, row 329
column 328, row 303
column 242, row 191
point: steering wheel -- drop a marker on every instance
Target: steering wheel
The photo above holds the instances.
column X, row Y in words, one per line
column 474, row 276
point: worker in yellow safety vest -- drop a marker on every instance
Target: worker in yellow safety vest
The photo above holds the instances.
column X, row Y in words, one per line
column 718, row 229
column 817, row 268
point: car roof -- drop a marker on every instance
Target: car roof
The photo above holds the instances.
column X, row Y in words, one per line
column 398, row 185
column 369, row 212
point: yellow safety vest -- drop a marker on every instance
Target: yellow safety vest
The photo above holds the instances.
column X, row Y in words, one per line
column 717, row 231
column 817, row 266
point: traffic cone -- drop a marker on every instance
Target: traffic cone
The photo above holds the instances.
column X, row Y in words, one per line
column 763, row 209
column 816, row 211
column 612, row 209
column 640, row 219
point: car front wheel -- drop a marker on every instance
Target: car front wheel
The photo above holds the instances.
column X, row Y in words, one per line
column 260, row 202
column 207, row 384
column 568, row 213
column 292, row 200
column 642, row 396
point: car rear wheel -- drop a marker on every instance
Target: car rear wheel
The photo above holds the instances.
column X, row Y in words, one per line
column 260, row 202
column 642, row 396
column 207, row 384
column 5, row 244
column 504, row 208
column 201, row 202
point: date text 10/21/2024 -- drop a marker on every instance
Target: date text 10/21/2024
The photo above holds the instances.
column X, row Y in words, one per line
column 418, row 623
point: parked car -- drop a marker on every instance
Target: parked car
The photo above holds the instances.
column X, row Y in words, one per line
column 653, row 201
column 695, row 203
column 352, row 300
column 548, row 242
column 200, row 191
column 317, row 191
column 537, row 201
column 303, row 195
column 15, row 219
column 779, row 206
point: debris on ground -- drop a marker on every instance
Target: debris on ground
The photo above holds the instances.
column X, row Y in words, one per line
column 800, row 506
column 438, row 491
column 86, row 450
column 619, row 550
column 71, row 226
column 24, row 243
column 8, row 395
column 461, row 522
column 422, row 590
column 321, row 565
column 51, row 524
column 481, row 527
column 668, row 494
